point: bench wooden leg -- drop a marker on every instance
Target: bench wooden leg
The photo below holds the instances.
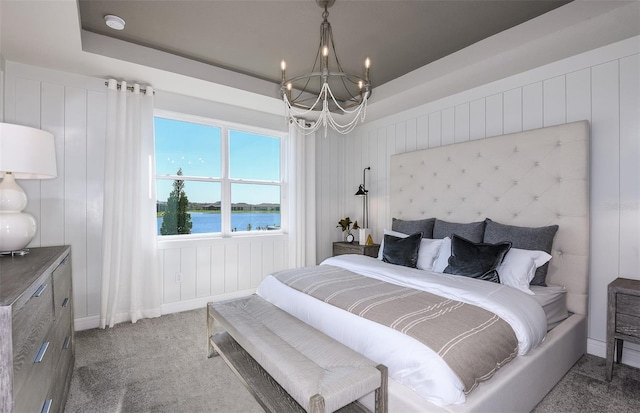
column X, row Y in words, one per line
column 316, row 404
column 211, row 322
column 382, row 395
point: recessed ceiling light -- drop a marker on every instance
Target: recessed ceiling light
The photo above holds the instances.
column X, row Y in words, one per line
column 115, row 22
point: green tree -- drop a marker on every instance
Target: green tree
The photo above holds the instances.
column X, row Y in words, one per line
column 176, row 220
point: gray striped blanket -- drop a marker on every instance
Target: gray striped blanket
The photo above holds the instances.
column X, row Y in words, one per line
column 474, row 342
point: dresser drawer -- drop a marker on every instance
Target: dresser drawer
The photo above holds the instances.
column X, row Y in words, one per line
column 62, row 285
column 30, row 325
column 628, row 304
column 628, row 325
column 32, row 395
column 62, row 333
column 340, row 248
column 60, row 387
column 348, row 249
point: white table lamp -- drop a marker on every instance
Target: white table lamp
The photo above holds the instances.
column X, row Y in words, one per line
column 25, row 153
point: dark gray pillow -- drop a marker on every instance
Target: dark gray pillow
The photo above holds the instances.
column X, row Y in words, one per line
column 476, row 259
column 526, row 238
column 473, row 231
column 425, row 226
column 402, row 251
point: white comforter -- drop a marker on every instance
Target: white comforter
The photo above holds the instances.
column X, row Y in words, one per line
column 409, row 362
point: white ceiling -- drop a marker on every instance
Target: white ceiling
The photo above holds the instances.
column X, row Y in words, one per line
column 48, row 33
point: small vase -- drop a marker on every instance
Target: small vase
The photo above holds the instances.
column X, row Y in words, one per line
column 363, row 234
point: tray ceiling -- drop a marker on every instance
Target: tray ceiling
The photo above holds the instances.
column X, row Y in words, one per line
column 252, row 37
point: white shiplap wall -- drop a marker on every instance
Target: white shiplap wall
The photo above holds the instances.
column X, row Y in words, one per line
column 601, row 86
column 216, row 269
column 69, row 207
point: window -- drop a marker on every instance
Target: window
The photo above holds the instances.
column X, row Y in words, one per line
column 216, row 178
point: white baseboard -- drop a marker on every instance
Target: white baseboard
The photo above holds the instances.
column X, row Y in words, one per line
column 630, row 354
column 86, row 323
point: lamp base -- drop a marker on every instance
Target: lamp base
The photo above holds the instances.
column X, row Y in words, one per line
column 21, row 252
column 16, row 230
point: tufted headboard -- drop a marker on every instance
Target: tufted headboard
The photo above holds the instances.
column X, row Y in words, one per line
column 535, row 178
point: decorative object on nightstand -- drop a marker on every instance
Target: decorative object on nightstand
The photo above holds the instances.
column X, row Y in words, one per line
column 25, row 153
column 623, row 318
column 345, row 224
column 365, row 232
column 350, row 236
column 340, row 248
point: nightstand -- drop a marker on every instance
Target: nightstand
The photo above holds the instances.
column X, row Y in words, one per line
column 340, row 248
column 623, row 318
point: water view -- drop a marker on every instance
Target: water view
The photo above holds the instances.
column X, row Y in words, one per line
column 207, row 222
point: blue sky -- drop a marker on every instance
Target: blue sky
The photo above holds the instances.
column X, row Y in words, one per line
column 196, row 149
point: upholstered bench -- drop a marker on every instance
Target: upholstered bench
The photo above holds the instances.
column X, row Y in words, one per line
column 319, row 373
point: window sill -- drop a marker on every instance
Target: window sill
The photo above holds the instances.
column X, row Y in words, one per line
column 197, row 240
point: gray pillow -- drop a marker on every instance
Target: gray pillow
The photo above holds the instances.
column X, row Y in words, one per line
column 526, row 238
column 402, row 251
column 476, row 259
column 425, row 226
column 473, row 231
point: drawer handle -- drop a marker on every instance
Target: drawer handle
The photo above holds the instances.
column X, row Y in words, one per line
column 65, row 302
column 46, row 406
column 40, row 290
column 41, row 352
column 67, row 340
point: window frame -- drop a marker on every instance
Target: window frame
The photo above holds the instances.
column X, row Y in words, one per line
column 224, row 179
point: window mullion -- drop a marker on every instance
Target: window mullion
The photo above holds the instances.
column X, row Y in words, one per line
column 226, row 185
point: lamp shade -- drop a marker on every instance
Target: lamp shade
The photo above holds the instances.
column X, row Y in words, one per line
column 25, row 153
column 28, row 153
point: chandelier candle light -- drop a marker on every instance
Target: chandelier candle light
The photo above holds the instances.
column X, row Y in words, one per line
column 351, row 101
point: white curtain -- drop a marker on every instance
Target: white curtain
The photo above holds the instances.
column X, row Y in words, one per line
column 302, row 201
column 131, row 286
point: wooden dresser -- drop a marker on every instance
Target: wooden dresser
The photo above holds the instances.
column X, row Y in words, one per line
column 36, row 330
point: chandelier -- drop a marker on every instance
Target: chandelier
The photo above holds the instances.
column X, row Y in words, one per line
column 312, row 92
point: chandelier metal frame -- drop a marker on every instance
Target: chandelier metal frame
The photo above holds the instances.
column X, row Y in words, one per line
column 352, row 105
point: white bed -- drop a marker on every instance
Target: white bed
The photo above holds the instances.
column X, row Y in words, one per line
column 534, row 178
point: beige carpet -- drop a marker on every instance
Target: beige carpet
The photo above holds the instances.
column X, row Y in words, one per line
column 155, row 365
column 160, row 365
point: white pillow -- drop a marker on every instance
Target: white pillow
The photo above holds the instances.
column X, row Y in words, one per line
column 519, row 267
column 442, row 259
column 427, row 253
